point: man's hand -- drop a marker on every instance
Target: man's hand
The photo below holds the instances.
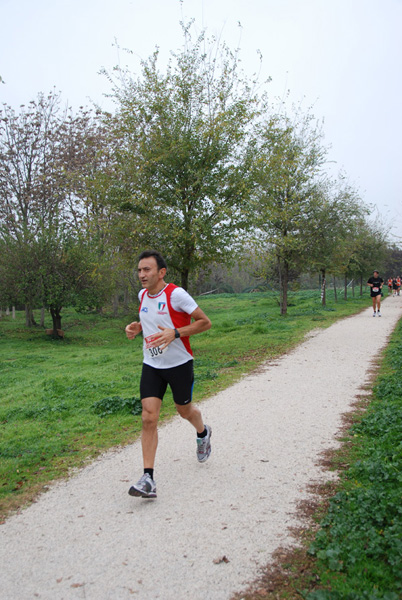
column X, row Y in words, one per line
column 133, row 329
column 162, row 339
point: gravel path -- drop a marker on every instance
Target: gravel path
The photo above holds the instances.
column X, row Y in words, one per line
column 87, row 538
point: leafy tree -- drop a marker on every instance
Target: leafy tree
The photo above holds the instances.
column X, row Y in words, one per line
column 393, row 261
column 287, row 165
column 370, row 250
column 44, row 155
column 29, row 178
column 333, row 228
column 184, row 152
column 68, row 275
column 94, row 200
column 30, row 192
column 18, row 283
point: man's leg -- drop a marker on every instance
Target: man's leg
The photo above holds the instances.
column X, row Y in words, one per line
column 145, row 487
column 374, row 303
column 204, row 432
column 181, row 381
column 149, row 438
column 378, row 298
column 192, row 414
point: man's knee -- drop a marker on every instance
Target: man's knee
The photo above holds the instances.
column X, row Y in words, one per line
column 149, row 419
column 150, row 413
column 185, row 410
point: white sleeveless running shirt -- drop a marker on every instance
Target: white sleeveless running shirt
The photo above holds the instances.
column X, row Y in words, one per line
column 171, row 308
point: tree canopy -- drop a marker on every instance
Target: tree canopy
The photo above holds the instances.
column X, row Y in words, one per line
column 185, row 151
column 194, row 162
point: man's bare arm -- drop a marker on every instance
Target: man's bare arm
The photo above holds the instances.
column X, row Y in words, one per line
column 199, row 324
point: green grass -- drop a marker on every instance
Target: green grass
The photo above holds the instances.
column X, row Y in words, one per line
column 65, row 401
column 359, row 545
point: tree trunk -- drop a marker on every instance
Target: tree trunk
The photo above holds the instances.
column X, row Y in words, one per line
column 126, row 301
column 56, row 318
column 116, row 304
column 184, row 279
column 42, row 316
column 335, row 295
column 283, row 285
column 13, row 312
column 346, row 287
column 361, row 285
column 29, row 316
column 323, row 288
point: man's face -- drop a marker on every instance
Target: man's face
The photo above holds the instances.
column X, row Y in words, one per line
column 376, row 273
column 149, row 274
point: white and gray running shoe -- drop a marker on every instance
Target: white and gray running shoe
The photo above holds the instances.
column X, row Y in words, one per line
column 204, row 445
column 378, row 313
column 144, row 488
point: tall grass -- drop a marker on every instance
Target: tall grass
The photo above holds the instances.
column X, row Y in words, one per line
column 65, row 401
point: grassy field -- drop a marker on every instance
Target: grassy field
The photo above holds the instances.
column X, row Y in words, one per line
column 65, row 401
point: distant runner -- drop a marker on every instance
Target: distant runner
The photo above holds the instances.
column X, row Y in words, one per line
column 376, row 283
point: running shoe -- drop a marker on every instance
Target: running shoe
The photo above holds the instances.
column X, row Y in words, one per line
column 378, row 314
column 374, row 314
column 204, row 445
column 144, row 488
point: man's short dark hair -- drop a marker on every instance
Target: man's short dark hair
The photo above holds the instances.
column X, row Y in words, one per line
column 160, row 261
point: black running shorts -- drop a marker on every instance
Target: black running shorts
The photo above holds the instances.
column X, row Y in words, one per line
column 155, row 381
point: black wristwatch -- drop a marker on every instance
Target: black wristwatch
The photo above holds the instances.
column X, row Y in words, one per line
column 176, row 333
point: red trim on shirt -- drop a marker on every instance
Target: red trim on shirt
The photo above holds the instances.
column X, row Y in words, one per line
column 180, row 319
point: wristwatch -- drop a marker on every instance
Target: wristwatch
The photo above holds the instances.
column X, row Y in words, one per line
column 176, row 333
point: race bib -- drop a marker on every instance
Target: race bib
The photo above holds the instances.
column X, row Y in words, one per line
column 153, row 352
column 375, row 289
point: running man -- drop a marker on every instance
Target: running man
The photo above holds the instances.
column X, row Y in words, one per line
column 168, row 316
column 376, row 283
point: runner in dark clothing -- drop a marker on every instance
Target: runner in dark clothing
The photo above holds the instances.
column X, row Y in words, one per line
column 376, row 283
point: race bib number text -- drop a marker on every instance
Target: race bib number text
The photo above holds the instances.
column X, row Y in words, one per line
column 153, row 352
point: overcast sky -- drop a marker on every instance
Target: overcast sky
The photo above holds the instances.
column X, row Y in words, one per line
column 341, row 56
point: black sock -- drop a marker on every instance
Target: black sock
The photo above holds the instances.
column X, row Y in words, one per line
column 203, row 434
column 150, row 472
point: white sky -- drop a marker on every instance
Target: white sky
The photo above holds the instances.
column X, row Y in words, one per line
column 341, row 56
